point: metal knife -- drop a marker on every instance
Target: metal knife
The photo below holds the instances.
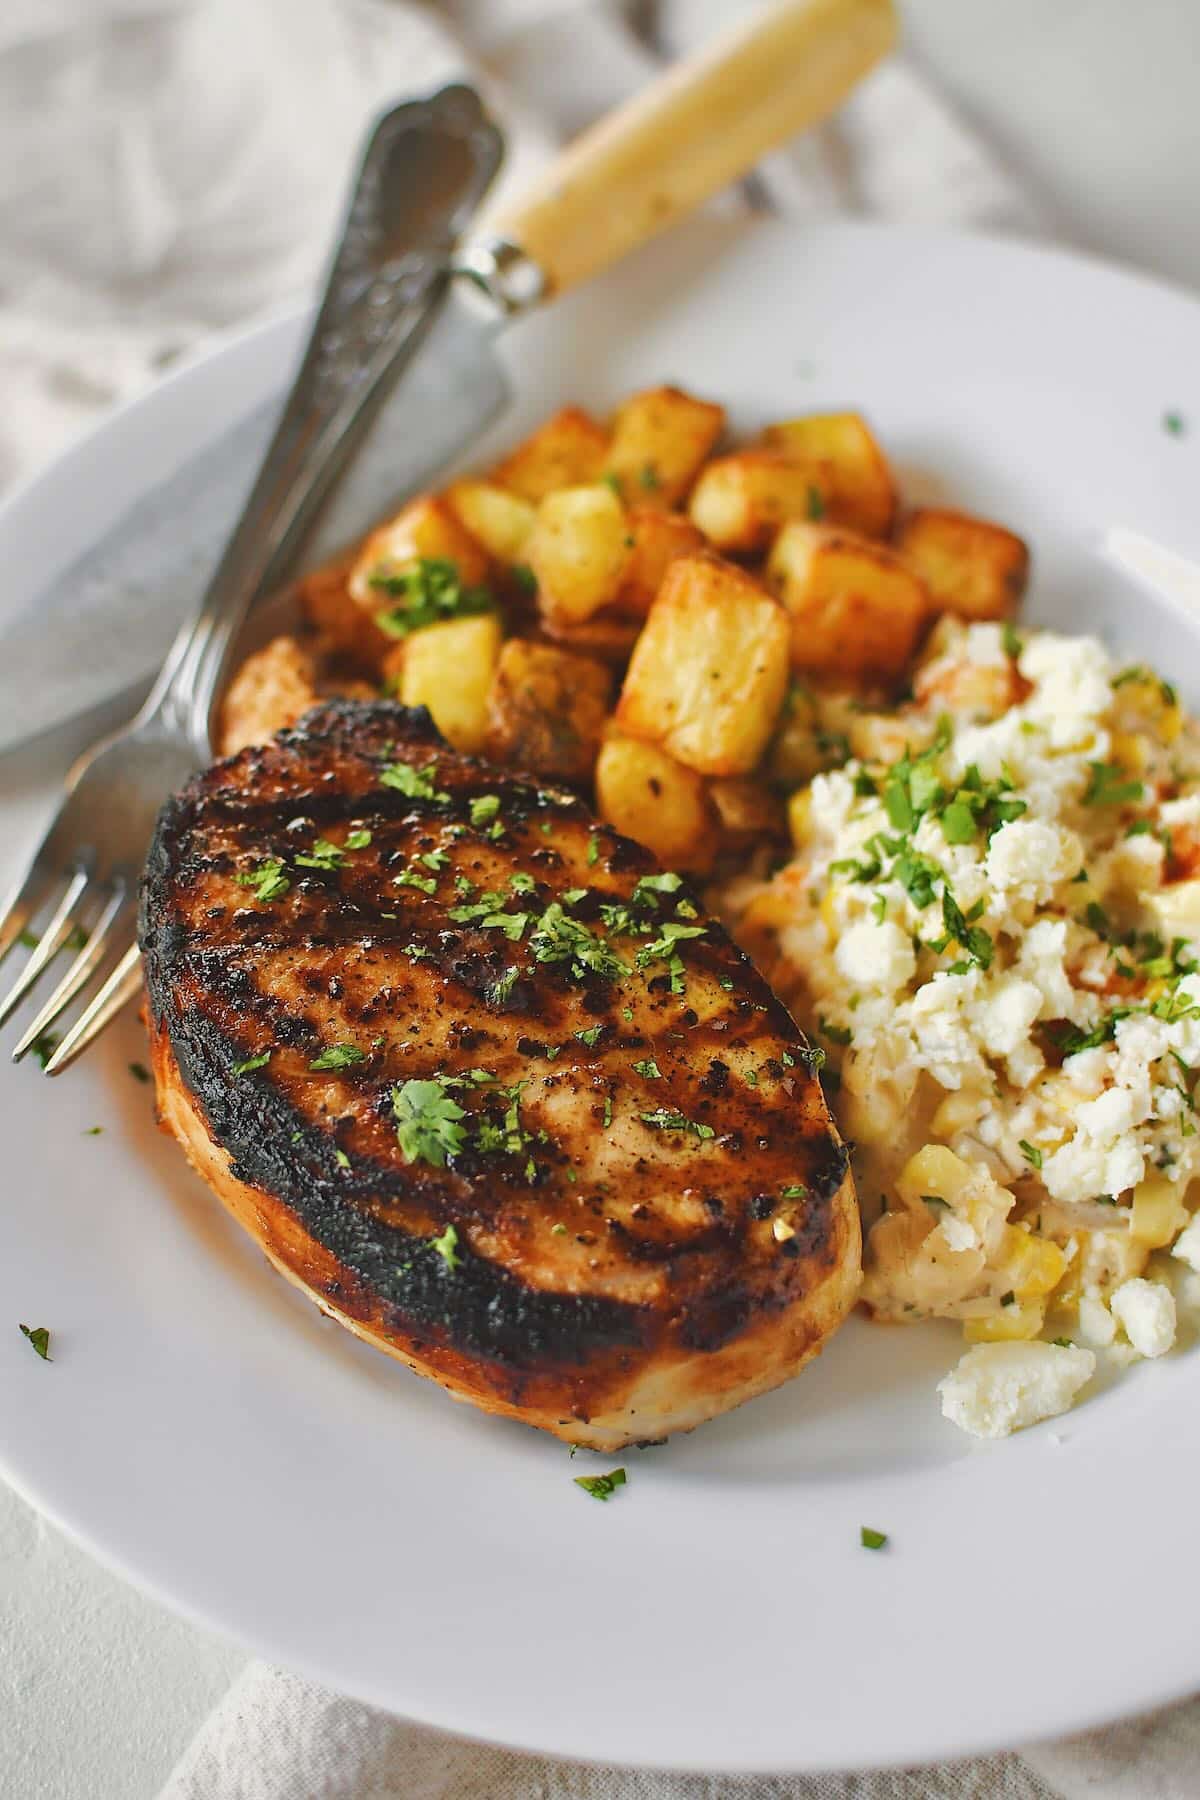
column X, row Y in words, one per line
column 104, row 624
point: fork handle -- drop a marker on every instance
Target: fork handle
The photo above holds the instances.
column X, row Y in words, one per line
column 425, row 167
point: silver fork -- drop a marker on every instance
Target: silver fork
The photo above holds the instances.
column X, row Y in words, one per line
column 424, row 169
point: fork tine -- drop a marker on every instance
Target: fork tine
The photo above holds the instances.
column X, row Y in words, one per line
column 48, row 945
column 77, row 975
column 21, row 903
column 122, row 986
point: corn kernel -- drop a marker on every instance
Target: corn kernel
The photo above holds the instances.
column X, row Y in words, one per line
column 799, row 811
column 1158, row 1214
column 1033, row 1266
column 1020, row 1319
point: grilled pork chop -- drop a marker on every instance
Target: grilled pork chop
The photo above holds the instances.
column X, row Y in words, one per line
column 488, row 1084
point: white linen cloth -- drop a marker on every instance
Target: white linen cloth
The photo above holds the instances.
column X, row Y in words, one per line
column 172, row 167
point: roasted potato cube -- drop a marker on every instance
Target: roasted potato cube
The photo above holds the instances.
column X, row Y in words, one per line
column 426, row 529
column 569, row 450
column 741, row 501
column 649, row 796
column 747, row 811
column 659, row 442
column 449, row 668
column 271, row 690
column 325, row 602
column 547, row 709
column 579, row 551
column 500, row 521
column 609, row 634
column 862, row 493
column 857, row 608
column 970, row 566
column 708, row 673
column 658, row 538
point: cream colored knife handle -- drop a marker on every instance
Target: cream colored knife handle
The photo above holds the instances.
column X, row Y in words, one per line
column 704, row 124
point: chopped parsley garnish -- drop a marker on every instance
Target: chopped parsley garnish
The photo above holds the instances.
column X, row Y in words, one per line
column 426, row 884
column 502, row 987
column 973, row 939
column 1031, row 1153
column 524, row 579
column 648, row 477
column 428, row 1122
column 139, row 1071
column 1107, row 786
column 338, row 1056
column 1011, row 640
column 665, row 1120
column 417, row 784
column 426, row 594
column 357, row 840
column 795, row 1190
column 648, row 1069
column 416, row 951
column 611, row 479
column 560, row 941
column 252, row 1062
column 870, row 1539
column 435, row 860
column 593, row 851
column 340, row 1158
column 43, row 1047
column 323, row 855
column 484, row 808
column 601, row 1487
column 269, row 881
column 1174, row 424
column 39, row 1337
column 1061, row 1343
column 590, row 1037
column 558, row 1229
column 816, row 503
column 94, row 1131
column 446, row 1246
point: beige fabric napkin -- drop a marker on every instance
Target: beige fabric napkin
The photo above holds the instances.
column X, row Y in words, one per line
column 172, row 167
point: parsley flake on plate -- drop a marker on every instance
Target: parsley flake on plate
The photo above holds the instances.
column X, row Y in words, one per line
column 601, row 1487
column 252, row 1062
column 666, row 1120
column 269, row 881
column 416, row 784
column 39, row 1337
column 446, row 1245
column 870, row 1539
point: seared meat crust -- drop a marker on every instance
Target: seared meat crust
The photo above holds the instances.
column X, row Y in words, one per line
column 652, row 1217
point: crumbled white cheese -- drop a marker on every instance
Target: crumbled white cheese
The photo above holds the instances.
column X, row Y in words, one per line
column 1187, row 1246
column 876, row 956
column 1146, row 1310
column 1096, row 1323
column 999, row 1388
column 1028, row 853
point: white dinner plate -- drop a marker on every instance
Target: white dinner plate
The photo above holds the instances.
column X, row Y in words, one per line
column 205, row 1431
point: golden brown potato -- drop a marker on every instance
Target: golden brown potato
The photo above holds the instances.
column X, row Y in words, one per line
column 426, row 529
column 659, row 442
column 569, row 450
column 449, row 667
column 862, row 493
column 271, row 690
column 547, row 709
column 609, row 634
column 741, row 501
column 708, row 673
column 857, row 608
column 579, row 551
column 658, row 538
column 498, row 520
column 325, row 603
column 970, row 566
column 747, row 811
column 649, row 796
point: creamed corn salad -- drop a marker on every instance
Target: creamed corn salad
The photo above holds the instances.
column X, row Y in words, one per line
column 991, row 924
